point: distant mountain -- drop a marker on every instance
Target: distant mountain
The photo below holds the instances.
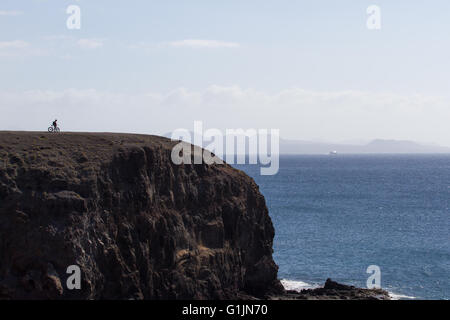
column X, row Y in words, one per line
column 375, row 146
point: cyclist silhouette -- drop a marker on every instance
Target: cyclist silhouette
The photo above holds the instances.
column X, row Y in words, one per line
column 54, row 126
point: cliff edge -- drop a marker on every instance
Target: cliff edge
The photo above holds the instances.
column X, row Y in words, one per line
column 137, row 225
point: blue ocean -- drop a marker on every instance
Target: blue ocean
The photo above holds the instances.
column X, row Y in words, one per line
column 336, row 215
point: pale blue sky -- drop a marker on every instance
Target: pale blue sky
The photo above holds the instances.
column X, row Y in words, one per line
column 136, row 48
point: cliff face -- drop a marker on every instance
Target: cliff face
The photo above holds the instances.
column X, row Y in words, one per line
column 137, row 225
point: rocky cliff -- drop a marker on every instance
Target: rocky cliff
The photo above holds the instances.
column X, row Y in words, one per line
column 137, row 225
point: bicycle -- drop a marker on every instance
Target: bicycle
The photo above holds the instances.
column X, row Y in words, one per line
column 53, row 129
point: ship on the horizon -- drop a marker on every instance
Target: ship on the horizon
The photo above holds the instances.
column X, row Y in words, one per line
column 333, row 153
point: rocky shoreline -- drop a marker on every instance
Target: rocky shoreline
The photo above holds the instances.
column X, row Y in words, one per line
column 334, row 291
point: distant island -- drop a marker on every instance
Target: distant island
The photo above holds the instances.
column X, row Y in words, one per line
column 374, row 147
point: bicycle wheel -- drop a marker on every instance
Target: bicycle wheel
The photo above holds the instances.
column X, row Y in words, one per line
column 50, row 129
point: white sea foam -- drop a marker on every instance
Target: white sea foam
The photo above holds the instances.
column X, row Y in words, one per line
column 300, row 285
column 396, row 296
column 297, row 285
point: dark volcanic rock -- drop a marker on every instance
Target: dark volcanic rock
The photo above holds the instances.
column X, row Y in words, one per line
column 334, row 291
column 136, row 224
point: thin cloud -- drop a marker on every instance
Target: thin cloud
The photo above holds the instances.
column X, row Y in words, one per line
column 20, row 48
column 16, row 48
column 11, row 13
column 56, row 37
column 90, row 43
column 199, row 43
column 15, row 44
